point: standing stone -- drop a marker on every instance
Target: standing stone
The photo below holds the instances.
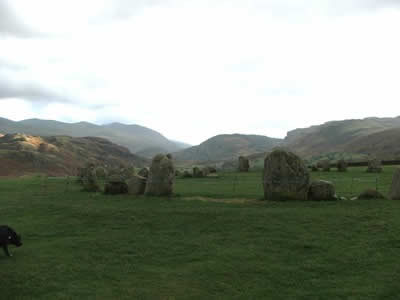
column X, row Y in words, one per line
column 144, row 172
column 285, row 176
column 212, row 169
column 161, row 176
column 186, row 174
column 341, row 166
column 326, row 165
column 243, row 164
column 136, row 185
column 370, row 194
column 374, row 166
column 89, row 180
column 314, row 168
column 321, row 190
column 115, row 185
column 197, row 173
column 394, row 192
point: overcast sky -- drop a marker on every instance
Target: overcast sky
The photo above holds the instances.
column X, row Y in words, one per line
column 194, row 69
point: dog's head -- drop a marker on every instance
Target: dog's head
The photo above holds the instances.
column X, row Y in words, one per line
column 14, row 238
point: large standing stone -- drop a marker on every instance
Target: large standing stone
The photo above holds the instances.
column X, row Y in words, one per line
column 243, row 164
column 394, row 192
column 341, row 166
column 161, row 176
column 374, row 166
column 136, row 185
column 285, row 176
column 321, row 190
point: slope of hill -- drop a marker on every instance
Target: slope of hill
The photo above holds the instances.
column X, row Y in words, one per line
column 227, row 147
column 136, row 138
column 335, row 136
column 384, row 144
column 59, row 155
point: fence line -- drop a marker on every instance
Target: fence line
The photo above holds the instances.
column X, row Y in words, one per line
column 232, row 185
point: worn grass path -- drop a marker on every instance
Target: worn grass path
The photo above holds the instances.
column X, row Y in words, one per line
column 90, row 246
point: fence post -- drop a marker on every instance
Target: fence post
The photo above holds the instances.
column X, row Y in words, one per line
column 351, row 187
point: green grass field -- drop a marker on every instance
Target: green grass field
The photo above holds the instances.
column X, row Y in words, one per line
column 90, row 246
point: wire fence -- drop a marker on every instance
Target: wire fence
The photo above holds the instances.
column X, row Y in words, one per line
column 229, row 185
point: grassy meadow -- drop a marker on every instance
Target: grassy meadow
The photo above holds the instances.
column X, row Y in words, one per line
column 80, row 245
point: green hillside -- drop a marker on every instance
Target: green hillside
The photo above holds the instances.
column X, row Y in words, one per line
column 226, row 147
column 337, row 136
column 59, row 155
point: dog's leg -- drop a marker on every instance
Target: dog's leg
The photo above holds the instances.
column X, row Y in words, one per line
column 5, row 248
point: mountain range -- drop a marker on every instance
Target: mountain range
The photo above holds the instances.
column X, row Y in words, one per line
column 352, row 136
column 135, row 137
column 349, row 139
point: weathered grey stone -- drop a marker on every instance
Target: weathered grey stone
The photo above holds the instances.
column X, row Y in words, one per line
column 243, row 164
column 370, row 194
column 326, row 165
column 144, row 172
column 285, row 176
column 314, row 168
column 186, row 174
column 197, row 173
column 115, row 185
column 161, row 176
column 88, row 179
column 374, row 166
column 136, row 185
column 321, row 190
column 341, row 166
column 212, row 169
column 394, row 192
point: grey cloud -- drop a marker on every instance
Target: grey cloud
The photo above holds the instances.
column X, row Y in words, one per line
column 29, row 92
column 9, row 22
column 25, row 89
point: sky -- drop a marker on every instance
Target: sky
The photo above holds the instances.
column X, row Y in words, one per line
column 194, row 69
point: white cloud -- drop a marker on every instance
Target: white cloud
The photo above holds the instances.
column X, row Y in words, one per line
column 192, row 70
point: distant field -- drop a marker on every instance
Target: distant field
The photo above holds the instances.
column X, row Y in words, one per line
column 90, row 246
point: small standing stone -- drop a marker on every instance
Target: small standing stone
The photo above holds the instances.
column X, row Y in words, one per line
column 326, row 165
column 321, row 190
column 394, row 192
column 374, row 166
column 136, row 185
column 341, row 166
column 115, row 185
column 243, row 164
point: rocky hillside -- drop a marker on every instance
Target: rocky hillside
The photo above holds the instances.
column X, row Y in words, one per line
column 384, row 144
column 136, row 138
column 336, row 136
column 59, row 155
column 227, row 147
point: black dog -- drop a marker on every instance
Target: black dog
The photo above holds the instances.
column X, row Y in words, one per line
column 8, row 237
